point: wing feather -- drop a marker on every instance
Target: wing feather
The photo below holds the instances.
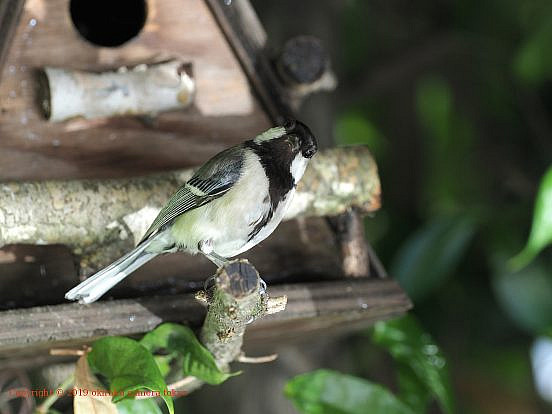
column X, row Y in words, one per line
column 210, row 182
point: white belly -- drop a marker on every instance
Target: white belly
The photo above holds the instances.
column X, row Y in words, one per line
column 228, row 220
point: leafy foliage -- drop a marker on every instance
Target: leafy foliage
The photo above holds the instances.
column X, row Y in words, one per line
column 422, row 366
column 330, row 392
column 526, row 295
column 431, row 254
column 435, row 107
column 533, row 63
column 541, row 229
column 448, row 152
column 128, row 366
column 88, row 403
column 197, row 361
column 422, row 376
column 145, row 406
column 352, row 128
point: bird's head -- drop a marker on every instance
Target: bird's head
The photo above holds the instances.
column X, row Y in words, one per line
column 304, row 139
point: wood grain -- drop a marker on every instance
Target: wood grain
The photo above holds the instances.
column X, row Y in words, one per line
column 297, row 251
column 225, row 111
column 10, row 11
column 26, row 335
column 248, row 39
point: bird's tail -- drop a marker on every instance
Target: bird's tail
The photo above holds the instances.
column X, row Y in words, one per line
column 96, row 285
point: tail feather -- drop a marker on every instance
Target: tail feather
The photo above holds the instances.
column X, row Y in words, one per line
column 96, row 285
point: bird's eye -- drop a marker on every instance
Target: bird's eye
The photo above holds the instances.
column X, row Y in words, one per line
column 293, row 143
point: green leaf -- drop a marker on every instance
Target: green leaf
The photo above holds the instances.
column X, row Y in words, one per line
column 128, row 366
column 164, row 363
column 446, row 151
column 525, row 295
column 412, row 390
column 418, row 355
column 197, row 361
column 541, row 229
column 533, row 62
column 435, row 105
column 330, row 392
column 431, row 254
column 353, row 128
column 144, row 406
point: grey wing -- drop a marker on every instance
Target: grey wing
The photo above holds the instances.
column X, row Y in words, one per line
column 210, row 182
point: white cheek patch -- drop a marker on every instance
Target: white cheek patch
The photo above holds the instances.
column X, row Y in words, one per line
column 298, row 166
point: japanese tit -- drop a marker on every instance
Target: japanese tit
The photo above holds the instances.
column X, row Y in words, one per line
column 234, row 201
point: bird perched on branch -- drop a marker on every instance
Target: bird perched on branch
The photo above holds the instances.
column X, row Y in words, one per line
column 233, row 202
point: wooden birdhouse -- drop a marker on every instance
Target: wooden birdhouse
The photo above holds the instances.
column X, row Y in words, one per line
column 95, row 96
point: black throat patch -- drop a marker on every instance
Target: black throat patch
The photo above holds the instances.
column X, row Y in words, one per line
column 276, row 158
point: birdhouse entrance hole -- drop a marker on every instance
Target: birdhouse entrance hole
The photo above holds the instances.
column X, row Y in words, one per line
column 107, row 22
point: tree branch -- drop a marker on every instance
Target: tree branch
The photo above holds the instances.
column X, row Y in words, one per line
column 101, row 220
column 235, row 301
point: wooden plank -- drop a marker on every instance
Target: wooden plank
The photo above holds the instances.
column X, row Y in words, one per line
column 248, row 39
column 296, row 251
column 26, row 335
column 10, row 11
column 225, row 111
column 33, row 275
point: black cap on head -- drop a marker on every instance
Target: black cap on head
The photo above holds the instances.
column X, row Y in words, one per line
column 289, row 124
column 308, row 143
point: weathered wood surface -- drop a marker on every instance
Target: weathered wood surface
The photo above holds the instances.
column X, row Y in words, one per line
column 248, row 39
column 313, row 309
column 144, row 90
column 10, row 12
column 225, row 111
column 348, row 228
column 303, row 65
column 299, row 250
column 102, row 219
column 280, row 91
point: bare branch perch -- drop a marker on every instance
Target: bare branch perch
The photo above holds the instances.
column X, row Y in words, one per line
column 142, row 90
column 236, row 300
column 103, row 219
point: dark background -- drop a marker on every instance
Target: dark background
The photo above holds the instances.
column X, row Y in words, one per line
column 454, row 99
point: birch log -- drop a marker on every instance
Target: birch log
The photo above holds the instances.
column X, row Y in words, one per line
column 99, row 220
column 142, row 90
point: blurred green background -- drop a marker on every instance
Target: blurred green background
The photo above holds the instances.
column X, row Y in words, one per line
column 454, row 98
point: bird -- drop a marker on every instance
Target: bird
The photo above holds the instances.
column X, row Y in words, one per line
column 230, row 204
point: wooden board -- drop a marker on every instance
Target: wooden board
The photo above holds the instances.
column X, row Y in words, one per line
column 313, row 309
column 225, row 112
column 296, row 251
column 10, row 12
column 248, row 39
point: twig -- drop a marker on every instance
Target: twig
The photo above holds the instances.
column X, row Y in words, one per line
column 257, row 360
column 237, row 300
column 179, row 385
column 276, row 304
column 72, row 352
column 48, row 402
